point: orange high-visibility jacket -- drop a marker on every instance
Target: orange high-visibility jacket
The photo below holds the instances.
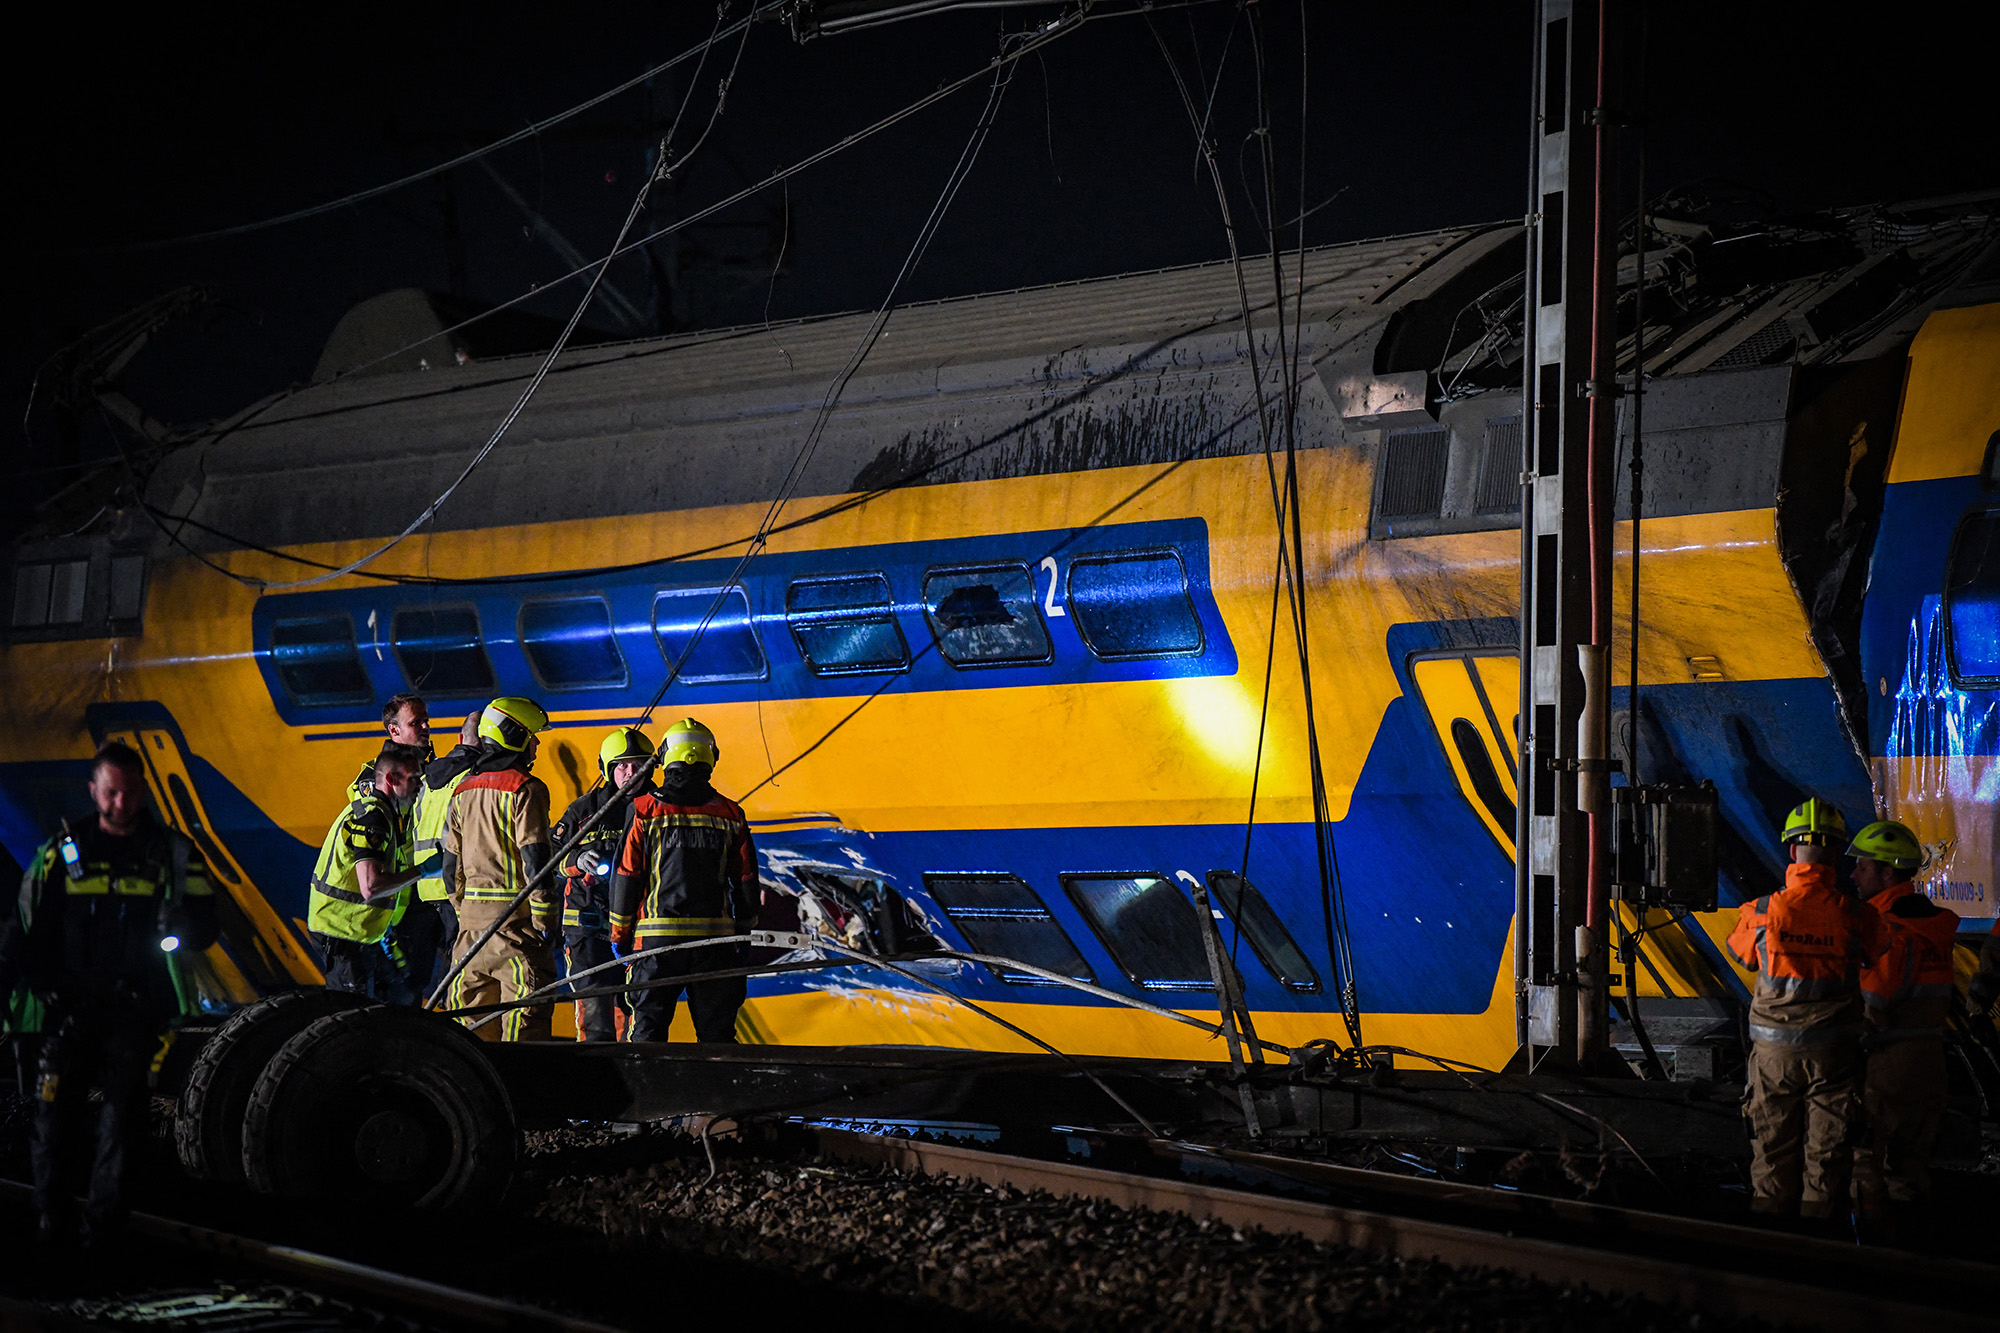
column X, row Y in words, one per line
column 1808, row 944
column 1907, row 990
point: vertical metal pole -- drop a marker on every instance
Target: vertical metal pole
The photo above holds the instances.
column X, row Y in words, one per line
column 1556, row 573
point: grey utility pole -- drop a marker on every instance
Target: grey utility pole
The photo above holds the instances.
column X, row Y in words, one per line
column 1569, row 385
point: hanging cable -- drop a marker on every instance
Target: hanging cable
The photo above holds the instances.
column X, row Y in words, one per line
column 524, row 133
column 663, row 169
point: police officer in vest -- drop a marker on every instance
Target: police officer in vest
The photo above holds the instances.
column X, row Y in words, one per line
column 430, row 924
column 586, row 871
column 357, row 884
column 496, row 839
column 107, row 913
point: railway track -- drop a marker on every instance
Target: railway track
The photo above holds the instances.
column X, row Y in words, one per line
column 426, row 1304
column 1715, row 1269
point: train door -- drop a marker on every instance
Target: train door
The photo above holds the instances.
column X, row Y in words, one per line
column 257, row 952
column 1473, row 701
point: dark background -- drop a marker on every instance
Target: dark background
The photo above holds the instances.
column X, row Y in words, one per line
column 155, row 124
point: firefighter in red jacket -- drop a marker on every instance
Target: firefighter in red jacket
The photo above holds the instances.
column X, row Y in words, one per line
column 1807, row 944
column 1907, row 992
column 687, row 872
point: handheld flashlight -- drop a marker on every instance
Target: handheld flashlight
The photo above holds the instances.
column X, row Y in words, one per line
column 169, row 943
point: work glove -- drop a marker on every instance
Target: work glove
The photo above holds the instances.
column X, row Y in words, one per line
column 593, row 865
column 622, row 948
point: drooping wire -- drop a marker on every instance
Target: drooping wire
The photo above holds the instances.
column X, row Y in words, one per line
column 524, row 133
column 1285, row 504
column 758, row 540
column 663, row 169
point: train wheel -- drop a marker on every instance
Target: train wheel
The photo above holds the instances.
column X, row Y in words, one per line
column 381, row 1105
column 208, row 1124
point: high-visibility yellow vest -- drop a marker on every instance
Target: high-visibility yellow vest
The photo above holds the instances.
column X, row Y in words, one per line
column 370, row 829
column 433, row 804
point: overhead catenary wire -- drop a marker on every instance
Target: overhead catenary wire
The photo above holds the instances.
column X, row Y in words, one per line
column 756, row 543
column 663, row 169
column 526, row 132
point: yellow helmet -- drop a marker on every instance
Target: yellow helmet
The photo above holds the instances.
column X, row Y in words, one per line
column 509, row 722
column 621, row 745
column 1886, row 840
column 689, row 742
column 1815, row 821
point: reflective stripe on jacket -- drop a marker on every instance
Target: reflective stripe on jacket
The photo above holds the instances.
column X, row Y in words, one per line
column 1907, row 991
column 427, row 830
column 370, row 829
column 1808, row 944
column 685, row 871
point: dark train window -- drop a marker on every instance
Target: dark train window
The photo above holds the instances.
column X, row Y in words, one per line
column 1247, row 909
column 1134, row 604
column 440, row 650
column 846, row 626
column 570, row 645
column 1972, row 602
column 1002, row 916
column 50, row 594
column 318, row 663
column 1147, row 925
column 727, row 649
column 985, row 616
column 1471, row 747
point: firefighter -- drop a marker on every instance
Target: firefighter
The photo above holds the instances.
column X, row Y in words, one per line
column 586, row 870
column 1807, row 944
column 430, row 925
column 106, row 913
column 496, row 839
column 687, row 871
column 356, row 886
column 1907, row 993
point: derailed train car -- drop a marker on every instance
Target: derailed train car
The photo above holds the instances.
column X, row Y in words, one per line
column 1016, row 660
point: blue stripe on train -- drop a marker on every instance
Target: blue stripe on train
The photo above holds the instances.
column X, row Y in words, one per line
column 630, row 595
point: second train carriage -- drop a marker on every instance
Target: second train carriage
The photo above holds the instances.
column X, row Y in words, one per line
column 1005, row 652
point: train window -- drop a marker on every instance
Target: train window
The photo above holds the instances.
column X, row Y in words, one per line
column 985, row 616
column 1972, row 603
column 440, row 650
column 1248, row 910
column 726, row 650
column 1134, row 604
column 1002, row 916
column 50, row 594
column 128, row 587
column 318, row 663
column 846, row 626
column 570, row 645
column 1147, row 925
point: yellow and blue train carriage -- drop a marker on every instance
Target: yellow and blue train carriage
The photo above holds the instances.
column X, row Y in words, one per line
column 1005, row 656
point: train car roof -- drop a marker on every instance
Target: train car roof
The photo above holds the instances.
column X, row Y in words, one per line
column 359, row 456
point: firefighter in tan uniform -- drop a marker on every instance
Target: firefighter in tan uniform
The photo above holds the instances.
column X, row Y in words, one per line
column 496, row 837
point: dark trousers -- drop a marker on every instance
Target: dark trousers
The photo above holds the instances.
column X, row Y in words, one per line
column 596, row 1017
column 362, row 968
column 713, row 1003
column 114, row 1052
column 421, row 933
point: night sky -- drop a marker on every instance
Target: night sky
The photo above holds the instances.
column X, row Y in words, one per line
column 165, row 122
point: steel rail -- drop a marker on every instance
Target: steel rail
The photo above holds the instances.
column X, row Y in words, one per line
column 1695, row 1286
column 324, row 1270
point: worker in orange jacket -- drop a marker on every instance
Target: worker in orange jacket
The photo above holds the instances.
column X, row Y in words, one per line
column 1907, row 993
column 1808, row 944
